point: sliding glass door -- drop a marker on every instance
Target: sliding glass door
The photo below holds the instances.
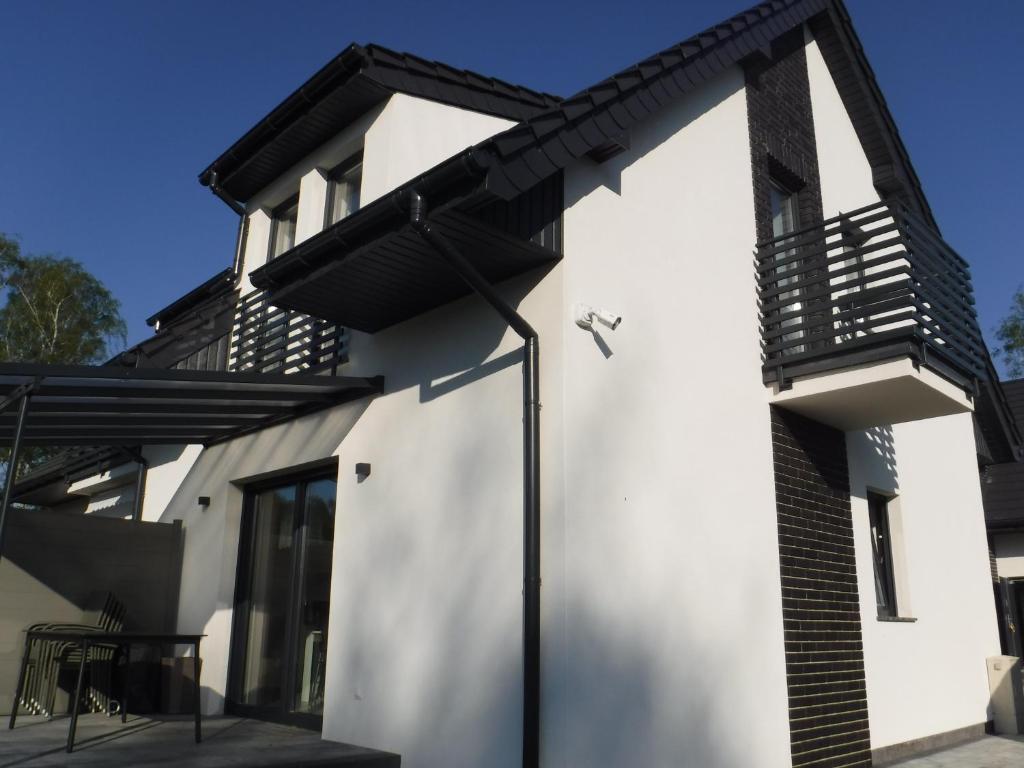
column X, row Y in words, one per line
column 282, row 601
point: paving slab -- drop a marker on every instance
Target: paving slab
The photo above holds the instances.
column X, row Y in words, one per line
column 986, row 752
column 228, row 742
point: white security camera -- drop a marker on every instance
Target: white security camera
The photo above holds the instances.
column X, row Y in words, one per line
column 585, row 317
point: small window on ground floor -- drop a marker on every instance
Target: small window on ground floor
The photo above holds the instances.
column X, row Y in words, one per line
column 881, row 554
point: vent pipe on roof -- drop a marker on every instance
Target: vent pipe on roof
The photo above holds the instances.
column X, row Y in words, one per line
column 531, row 468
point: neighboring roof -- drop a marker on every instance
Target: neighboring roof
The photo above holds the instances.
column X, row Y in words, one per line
column 218, row 285
column 70, row 465
column 107, row 405
column 1014, row 392
column 510, row 164
column 352, row 83
column 1002, row 490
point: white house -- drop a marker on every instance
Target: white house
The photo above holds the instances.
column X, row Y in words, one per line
column 674, row 458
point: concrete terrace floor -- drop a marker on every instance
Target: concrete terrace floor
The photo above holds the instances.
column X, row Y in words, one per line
column 987, row 752
column 227, row 742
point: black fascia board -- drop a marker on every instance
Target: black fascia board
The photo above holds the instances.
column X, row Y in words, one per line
column 217, row 285
column 373, row 73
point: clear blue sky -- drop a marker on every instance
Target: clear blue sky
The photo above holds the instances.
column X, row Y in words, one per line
column 111, row 109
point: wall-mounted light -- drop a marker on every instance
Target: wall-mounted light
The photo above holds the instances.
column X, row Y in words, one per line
column 203, row 501
column 586, row 315
column 362, row 471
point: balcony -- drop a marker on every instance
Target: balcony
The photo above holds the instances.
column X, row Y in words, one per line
column 868, row 319
column 267, row 339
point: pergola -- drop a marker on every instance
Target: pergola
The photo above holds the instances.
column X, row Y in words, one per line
column 58, row 405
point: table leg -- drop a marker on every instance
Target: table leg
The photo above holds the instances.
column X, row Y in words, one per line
column 126, row 682
column 78, row 696
column 195, row 690
column 21, row 680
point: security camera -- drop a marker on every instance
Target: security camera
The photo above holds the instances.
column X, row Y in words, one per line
column 585, row 317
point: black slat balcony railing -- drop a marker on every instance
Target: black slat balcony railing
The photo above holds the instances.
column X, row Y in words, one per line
column 867, row 286
column 267, row 339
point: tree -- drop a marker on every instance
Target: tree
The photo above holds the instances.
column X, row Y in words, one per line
column 1011, row 336
column 55, row 311
column 52, row 311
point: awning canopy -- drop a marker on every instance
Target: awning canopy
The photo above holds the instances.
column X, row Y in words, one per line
column 110, row 405
column 398, row 276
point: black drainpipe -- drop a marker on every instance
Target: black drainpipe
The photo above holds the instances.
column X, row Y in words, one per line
column 210, row 180
column 531, row 469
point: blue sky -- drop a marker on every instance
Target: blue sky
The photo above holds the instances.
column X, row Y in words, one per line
column 111, row 109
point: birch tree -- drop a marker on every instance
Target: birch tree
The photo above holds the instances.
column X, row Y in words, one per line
column 52, row 310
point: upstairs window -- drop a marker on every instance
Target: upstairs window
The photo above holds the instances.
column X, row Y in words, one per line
column 282, row 228
column 785, row 219
column 881, row 554
column 343, row 189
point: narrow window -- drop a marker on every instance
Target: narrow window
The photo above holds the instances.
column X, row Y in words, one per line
column 784, row 221
column 282, row 230
column 343, row 189
column 881, row 554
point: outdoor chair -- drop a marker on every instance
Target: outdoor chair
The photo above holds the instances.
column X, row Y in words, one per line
column 51, row 657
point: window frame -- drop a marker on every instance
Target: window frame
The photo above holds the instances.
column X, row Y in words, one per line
column 334, row 177
column 275, row 220
column 883, row 568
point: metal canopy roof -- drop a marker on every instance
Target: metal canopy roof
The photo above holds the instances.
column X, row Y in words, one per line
column 392, row 276
column 109, row 405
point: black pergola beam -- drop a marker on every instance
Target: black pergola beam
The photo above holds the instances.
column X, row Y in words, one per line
column 111, row 406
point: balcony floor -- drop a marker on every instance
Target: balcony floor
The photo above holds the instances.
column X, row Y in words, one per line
column 103, row 741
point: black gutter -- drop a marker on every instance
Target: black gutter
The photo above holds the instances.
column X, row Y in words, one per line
column 531, row 468
column 220, row 283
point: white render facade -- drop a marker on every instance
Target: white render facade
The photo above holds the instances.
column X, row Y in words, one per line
column 665, row 627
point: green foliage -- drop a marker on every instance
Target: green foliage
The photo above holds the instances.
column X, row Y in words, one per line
column 54, row 310
column 1011, row 336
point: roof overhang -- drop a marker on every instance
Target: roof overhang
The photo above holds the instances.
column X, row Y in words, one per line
column 351, row 84
column 109, row 405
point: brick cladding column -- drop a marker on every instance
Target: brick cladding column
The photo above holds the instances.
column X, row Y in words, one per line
column 828, row 718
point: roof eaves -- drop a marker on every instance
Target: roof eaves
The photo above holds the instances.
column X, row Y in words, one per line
column 217, row 285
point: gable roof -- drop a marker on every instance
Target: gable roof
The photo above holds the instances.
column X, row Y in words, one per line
column 353, row 82
column 516, row 160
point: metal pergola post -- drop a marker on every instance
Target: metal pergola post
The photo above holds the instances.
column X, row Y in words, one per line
column 12, row 462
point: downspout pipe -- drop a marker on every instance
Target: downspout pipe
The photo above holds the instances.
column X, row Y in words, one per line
column 141, row 468
column 211, row 181
column 531, row 467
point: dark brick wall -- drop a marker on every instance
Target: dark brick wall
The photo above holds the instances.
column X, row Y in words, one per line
column 828, row 717
column 781, row 127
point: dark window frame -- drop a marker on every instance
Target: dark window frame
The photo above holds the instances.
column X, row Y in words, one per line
column 880, row 529
column 301, row 477
column 276, row 218
column 334, row 176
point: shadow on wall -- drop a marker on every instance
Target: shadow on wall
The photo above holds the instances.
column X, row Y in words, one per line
column 647, row 137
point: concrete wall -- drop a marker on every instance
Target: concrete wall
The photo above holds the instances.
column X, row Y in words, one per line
column 673, row 651
column 925, row 677
column 59, row 568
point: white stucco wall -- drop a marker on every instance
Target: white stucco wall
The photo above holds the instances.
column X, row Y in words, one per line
column 674, row 651
column 1009, row 549
column 412, row 135
column 426, row 602
column 925, row 677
